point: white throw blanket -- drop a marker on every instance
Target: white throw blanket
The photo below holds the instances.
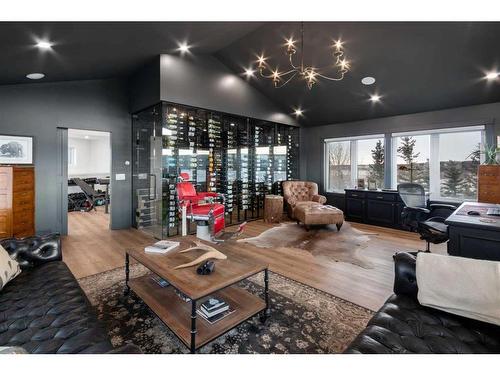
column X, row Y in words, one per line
column 461, row 286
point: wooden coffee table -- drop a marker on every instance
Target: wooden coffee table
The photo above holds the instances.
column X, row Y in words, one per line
column 181, row 316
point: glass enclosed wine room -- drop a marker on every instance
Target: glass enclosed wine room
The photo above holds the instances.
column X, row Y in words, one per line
column 240, row 157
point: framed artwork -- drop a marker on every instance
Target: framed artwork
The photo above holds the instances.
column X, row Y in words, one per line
column 16, row 149
column 361, row 183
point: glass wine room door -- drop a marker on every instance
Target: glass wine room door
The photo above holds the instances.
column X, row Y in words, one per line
column 147, row 171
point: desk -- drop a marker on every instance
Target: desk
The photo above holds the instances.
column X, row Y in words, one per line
column 474, row 236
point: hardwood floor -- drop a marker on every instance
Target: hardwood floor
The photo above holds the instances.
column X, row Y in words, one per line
column 92, row 248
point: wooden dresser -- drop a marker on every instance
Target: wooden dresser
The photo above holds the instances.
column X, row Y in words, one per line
column 17, row 201
column 488, row 181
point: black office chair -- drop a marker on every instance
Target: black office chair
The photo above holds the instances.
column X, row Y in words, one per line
column 424, row 218
column 92, row 196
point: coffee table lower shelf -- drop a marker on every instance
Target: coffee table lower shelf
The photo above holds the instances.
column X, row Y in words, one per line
column 176, row 313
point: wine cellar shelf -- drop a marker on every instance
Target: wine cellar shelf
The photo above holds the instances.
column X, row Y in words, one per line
column 240, row 157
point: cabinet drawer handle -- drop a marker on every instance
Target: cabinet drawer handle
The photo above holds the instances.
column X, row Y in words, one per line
column 354, row 195
column 380, row 197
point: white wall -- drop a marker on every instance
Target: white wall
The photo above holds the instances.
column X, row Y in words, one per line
column 93, row 157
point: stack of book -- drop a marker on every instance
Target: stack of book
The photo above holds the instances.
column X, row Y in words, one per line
column 214, row 309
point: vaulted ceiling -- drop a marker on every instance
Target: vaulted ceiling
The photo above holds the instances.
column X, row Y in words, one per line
column 418, row 66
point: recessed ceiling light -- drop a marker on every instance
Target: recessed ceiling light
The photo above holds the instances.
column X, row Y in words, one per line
column 375, row 98
column 35, row 75
column 492, row 75
column 298, row 112
column 86, row 137
column 249, row 72
column 44, row 45
column 368, row 81
column 183, row 47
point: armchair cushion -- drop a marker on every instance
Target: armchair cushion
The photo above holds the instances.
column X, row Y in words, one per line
column 319, row 198
column 300, row 191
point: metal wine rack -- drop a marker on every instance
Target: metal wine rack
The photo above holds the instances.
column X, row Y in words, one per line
column 244, row 159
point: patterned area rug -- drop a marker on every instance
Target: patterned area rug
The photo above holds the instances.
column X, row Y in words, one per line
column 324, row 242
column 303, row 319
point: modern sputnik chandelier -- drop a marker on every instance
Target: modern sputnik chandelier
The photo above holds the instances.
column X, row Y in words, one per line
column 301, row 71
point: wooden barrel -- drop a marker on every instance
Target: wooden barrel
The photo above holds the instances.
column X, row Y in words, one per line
column 273, row 208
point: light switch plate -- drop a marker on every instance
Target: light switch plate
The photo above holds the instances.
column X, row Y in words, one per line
column 120, row 177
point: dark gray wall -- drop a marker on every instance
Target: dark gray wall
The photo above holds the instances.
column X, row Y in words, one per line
column 312, row 137
column 203, row 81
column 38, row 109
column 144, row 86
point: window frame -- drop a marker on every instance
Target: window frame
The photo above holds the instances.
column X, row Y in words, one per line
column 353, row 158
column 434, row 167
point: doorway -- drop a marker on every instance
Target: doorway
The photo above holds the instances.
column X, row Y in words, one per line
column 89, row 193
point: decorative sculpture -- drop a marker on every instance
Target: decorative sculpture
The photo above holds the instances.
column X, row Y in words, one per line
column 211, row 253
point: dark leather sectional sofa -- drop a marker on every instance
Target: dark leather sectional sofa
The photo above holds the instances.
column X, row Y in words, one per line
column 402, row 325
column 44, row 310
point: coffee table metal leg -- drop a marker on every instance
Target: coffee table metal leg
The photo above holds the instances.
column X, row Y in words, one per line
column 127, row 274
column 193, row 326
column 267, row 311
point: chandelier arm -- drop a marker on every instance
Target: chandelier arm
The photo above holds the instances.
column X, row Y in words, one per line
column 340, row 78
column 292, row 64
column 288, row 80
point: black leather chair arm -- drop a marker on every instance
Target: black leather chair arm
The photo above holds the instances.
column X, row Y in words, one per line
column 405, row 277
column 33, row 251
column 437, row 219
column 417, row 210
column 442, row 206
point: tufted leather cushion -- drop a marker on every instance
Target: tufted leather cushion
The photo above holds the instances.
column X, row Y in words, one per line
column 300, row 191
column 44, row 310
column 32, row 251
column 402, row 325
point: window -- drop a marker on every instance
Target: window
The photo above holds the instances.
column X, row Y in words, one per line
column 351, row 160
column 71, row 156
column 371, row 161
column 444, row 161
column 339, row 165
column 459, row 157
column 412, row 159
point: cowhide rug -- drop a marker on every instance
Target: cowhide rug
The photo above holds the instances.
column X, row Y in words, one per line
column 322, row 242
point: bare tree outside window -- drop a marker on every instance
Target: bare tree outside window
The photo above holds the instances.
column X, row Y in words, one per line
column 339, row 160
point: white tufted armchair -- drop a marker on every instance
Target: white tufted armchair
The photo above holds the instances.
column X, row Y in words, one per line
column 298, row 193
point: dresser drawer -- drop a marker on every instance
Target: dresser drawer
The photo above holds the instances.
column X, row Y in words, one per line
column 23, row 180
column 355, row 194
column 22, row 199
column 379, row 196
column 5, row 226
column 23, row 217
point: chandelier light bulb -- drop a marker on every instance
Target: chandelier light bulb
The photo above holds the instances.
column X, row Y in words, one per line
column 249, row 72
column 298, row 112
column 338, row 45
column 375, row 98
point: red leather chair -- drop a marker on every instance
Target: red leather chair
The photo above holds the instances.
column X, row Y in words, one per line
column 201, row 207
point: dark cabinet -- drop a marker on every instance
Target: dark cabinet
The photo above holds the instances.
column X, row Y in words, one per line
column 355, row 208
column 374, row 207
column 380, row 212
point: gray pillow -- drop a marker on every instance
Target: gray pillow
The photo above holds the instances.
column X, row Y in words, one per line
column 9, row 268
